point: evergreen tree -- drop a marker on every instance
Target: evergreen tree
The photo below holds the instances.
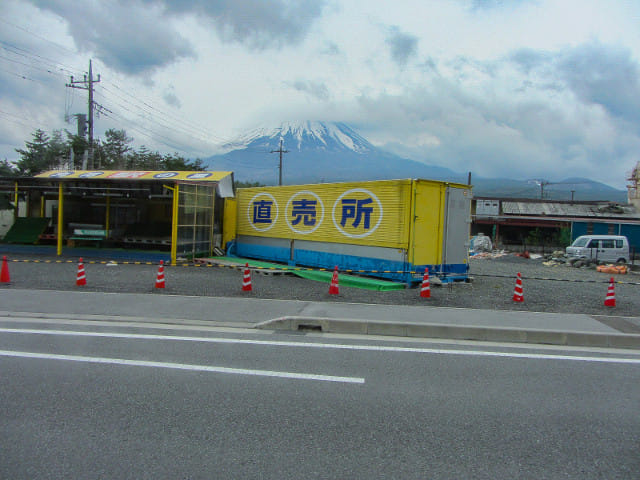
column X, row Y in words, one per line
column 79, row 145
column 58, row 151
column 114, row 149
column 176, row 162
column 7, row 169
column 34, row 159
column 44, row 153
column 240, row 184
column 145, row 159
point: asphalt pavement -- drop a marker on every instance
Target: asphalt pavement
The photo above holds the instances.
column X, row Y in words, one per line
column 147, row 401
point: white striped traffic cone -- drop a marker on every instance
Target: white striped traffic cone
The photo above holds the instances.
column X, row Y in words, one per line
column 4, row 274
column 610, row 300
column 81, row 279
column 425, row 289
column 333, row 288
column 517, row 293
column 246, row 281
column 160, row 277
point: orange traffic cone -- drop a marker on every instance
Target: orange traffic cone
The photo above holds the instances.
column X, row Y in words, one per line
column 425, row 289
column 81, row 279
column 610, row 300
column 517, row 293
column 333, row 288
column 246, row 281
column 4, row 276
column 160, row 277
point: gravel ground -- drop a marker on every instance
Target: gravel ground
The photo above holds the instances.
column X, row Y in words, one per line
column 546, row 289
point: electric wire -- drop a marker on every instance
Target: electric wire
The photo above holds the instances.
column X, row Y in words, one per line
column 170, row 116
column 13, row 119
column 190, row 124
column 161, row 122
column 21, row 52
column 18, row 27
column 148, row 133
column 46, row 65
column 23, row 77
column 136, row 106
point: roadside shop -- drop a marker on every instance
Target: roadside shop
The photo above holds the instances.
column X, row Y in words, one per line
column 178, row 212
column 391, row 229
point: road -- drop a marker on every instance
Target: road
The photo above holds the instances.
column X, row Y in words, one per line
column 102, row 399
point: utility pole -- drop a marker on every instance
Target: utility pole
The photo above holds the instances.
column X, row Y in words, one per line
column 87, row 84
column 542, row 183
column 280, row 151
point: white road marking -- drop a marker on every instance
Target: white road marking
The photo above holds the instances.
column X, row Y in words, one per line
column 374, row 348
column 182, row 366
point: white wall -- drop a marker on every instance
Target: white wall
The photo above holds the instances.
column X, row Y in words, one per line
column 6, row 221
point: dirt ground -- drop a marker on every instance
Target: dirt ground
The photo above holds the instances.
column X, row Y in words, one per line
column 545, row 288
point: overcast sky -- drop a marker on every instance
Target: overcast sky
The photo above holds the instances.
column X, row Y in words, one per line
column 527, row 89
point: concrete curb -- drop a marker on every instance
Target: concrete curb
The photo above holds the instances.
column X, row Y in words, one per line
column 178, row 322
column 453, row 332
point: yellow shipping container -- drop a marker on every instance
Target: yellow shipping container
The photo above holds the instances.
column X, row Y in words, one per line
column 397, row 226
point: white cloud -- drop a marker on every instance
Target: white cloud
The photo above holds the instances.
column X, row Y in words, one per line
column 536, row 88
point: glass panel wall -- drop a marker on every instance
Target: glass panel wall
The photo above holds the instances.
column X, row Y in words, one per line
column 195, row 220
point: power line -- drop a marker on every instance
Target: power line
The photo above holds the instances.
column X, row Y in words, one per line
column 167, row 124
column 145, row 132
column 543, row 183
column 57, row 45
column 23, row 77
column 192, row 126
column 21, row 52
column 41, row 63
column 8, row 116
column 31, row 66
column 137, row 101
column 164, row 114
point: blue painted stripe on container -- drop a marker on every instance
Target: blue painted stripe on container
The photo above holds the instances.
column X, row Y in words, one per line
column 346, row 262
column 387, row 269
column 263, row 252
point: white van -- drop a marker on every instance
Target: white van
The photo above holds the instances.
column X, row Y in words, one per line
column 603, row 248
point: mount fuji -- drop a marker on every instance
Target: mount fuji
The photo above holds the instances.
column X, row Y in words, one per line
column 316, row 152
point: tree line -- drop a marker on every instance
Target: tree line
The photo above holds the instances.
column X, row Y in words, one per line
column 65, row 150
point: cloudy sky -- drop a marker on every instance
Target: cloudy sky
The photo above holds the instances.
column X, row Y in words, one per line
column 544, row 89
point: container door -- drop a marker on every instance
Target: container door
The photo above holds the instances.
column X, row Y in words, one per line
column 456, row 226
column 428, row 220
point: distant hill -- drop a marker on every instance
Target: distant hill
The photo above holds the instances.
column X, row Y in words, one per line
column 583, row 189
column 333, row 152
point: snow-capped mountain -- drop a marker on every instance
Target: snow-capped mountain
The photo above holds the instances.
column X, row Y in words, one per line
column 304, row 135
column 316, row 152
column 334, row 152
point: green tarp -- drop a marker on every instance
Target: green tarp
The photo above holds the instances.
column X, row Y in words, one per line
column 26, row 230
column 346, row 280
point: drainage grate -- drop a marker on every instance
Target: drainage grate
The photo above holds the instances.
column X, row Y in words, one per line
column 309, row 328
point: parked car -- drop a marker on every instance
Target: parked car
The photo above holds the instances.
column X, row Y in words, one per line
column 602, row 248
